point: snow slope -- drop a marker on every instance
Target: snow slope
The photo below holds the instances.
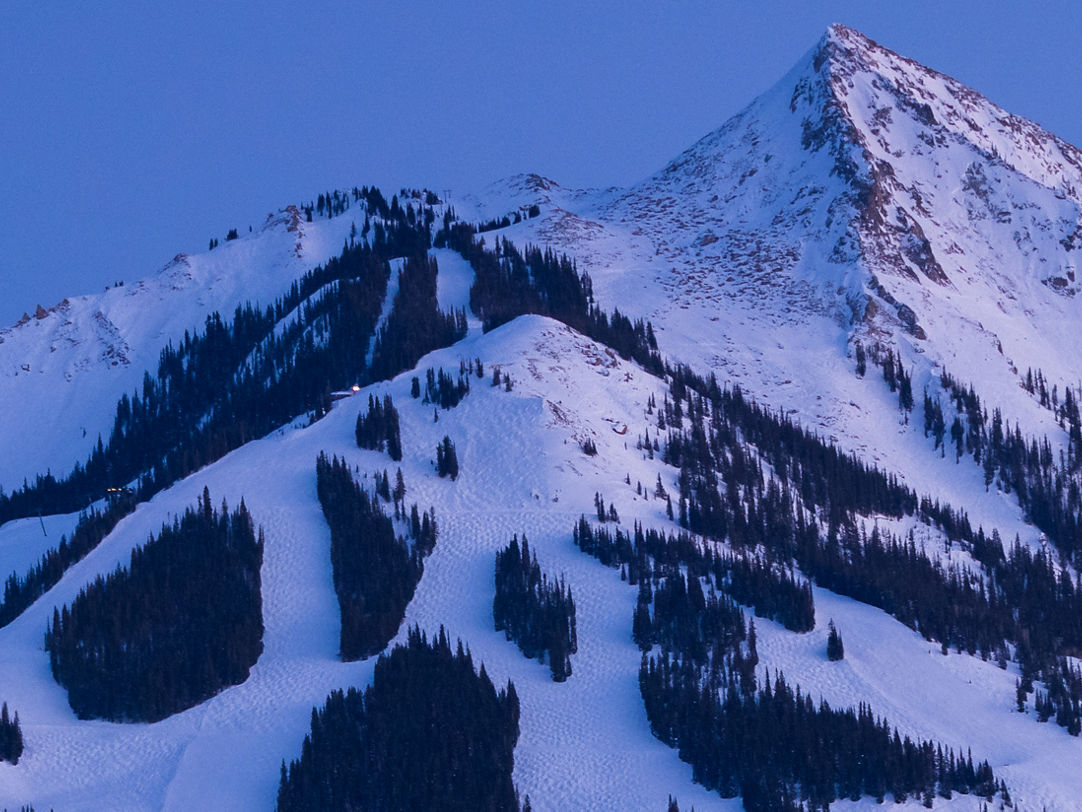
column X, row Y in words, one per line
column 62, row 369
column 585, row 744
column 225, row 753
column 863, row 197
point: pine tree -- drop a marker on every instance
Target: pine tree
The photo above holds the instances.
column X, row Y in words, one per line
column 534, row 611
column 446, row 459
column 375, row 572
column 835, row 648
column 11, row 736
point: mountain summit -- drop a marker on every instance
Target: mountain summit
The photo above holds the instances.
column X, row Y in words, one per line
column 861, row 156
column 863, row 197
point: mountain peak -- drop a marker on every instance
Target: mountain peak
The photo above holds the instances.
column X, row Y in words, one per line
column 842, row 45
column 860, row 185
column 870, row 80
column 842, row 33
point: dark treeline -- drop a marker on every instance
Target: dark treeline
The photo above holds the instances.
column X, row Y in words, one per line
column 702, row 695
column 1049, row 488
column 538, row 614
column 415, row 325
column 1022, row 599
column 508, row 283
column 508, row 219
column 1065, row 409
column 240, row 379
column 446, row 391
column 183, row 621
column 237, row 379
column 773, row 591
column 389, row 234
column 11, row 736
column 429, row 733
column 20, row 592
column 379, row 429
column 375, row 572
column 722, row 429
column 729, row 729
column 808, row 511
column 897, row 377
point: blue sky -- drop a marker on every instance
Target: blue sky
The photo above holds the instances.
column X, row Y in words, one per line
column 128, row 135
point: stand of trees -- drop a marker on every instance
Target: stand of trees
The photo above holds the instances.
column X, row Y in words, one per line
column 415, row 325
column 375, row 571
column 1015, row 603
column 444, row 390
column 239, row 379
column 378, row 428
column 11, row 736
column 20, row 592
column 447, row 459
column 774, row 591
column 702, row 695
column 180, row 623
column 1049, row 488
column 538, row 614
column 509, row 283
column 431, row 732
column 835, row 647
column 729, row 728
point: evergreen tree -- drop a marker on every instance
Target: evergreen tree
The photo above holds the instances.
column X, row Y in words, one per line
column 11, row 736
column 378, row 428
column 239, row 379
column 442, row 389
column 702, row 694
column 835, row 648
column 446, row 459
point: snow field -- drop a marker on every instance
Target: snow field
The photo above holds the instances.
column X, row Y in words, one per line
column 585, row 744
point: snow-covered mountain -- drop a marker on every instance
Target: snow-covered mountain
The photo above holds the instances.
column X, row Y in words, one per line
column 864, row 198
column 64, row 367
